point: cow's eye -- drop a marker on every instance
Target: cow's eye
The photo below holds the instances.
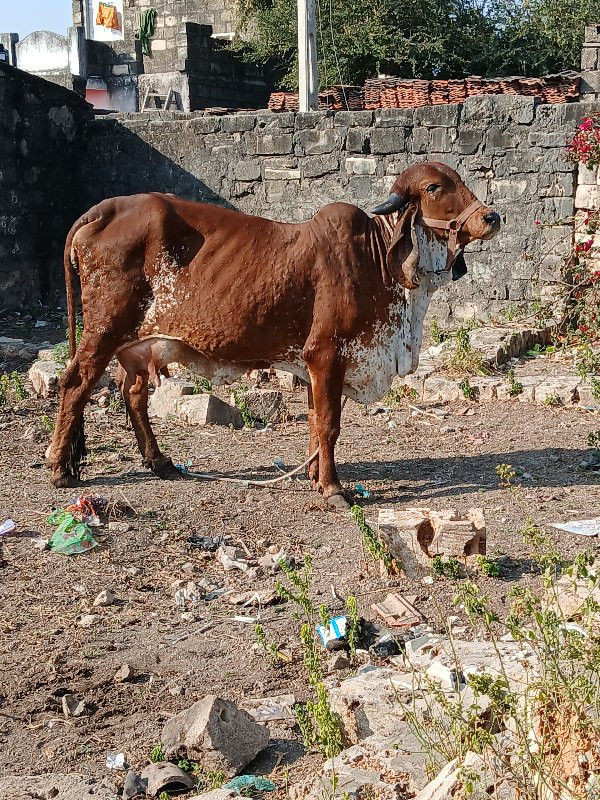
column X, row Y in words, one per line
column 433, row 187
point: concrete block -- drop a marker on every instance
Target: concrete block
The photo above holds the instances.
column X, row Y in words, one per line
column 361, row 166
column 266, row 405
column 206, row 409
column 588, row 197
column 316, row 142
column 165, row 398
column 44, row 377
column 282, row 174
column 286, row 380
column 273, row 143
column 387, row 140
column 356, row 139
column 247, row 171
column 316, row 166
column 353, row 118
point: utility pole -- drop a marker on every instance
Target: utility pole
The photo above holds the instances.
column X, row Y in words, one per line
column 307, row 54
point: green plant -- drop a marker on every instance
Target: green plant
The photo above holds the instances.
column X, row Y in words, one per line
column 468, row 391
column 446, row 569
column 17, row 386
column 395, row 396
column 552, row 400
column 201, row 385
column 593, row 440
column 240, row 399
column 164, row 796
column 185, row 765
column 541, row 546
column 12, row 388
column 371, row 541
column 46, row 423
column 353, row 623
column 506, row 473
column 488, row 566
column 61, row 352
column 461, row 357
column 437, row 334
column 514, row 386
column 116, row 403
column 157, row 754
column 208, row 779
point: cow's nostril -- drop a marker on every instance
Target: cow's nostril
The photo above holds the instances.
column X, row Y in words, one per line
column 491, row 218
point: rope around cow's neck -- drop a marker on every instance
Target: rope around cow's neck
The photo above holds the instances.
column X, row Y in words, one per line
column 262, row 483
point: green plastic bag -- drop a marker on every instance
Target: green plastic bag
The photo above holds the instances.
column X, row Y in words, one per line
column 71, row 536
column 250, row 783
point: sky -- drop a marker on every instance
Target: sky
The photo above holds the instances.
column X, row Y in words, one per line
column 25, row 16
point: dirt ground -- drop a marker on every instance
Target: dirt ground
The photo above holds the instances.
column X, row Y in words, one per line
column 400, row 458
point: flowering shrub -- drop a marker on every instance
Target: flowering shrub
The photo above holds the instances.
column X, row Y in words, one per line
column 584, row 147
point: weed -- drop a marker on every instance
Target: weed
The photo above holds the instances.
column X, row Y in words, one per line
column 541, row 546
column 4, row 389
column 157, row 754
column 61, row 351
column 552, row 400
column 201, row 385
column 164, row 796
column 185, row 765
column 240, row 399
column 353, row 623
column 514, row 386
column 438, row 335
column 371, row 541
column 510, row 313
column 541, row 313
column 208, row 779
column 506, row 473
column 116, row 402
column 16, row 383
column 395, row 396
column 446, row 569
column 593, row 440
column 468, row 391
column 46, row 423
column 12, row 388
column 462, row 357
column 488, row 566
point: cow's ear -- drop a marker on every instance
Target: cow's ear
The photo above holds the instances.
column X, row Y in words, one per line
column 403, row 252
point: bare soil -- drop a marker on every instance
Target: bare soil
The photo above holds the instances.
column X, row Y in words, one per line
column 405, row 459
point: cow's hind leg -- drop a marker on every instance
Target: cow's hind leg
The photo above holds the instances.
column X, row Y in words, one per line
column 313, row 468
column 134, row 388
column 77, row 384
column 327, row 380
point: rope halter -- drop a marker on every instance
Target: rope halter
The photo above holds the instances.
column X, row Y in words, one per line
column 453, row 227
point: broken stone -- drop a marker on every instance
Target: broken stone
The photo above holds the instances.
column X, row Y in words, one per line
column 44, row 377
column 206, row 409
column 415, row 536
column 287, row 380
column 339, row 660
column 266, row 405
column 447, row 677
column 398, row 611
column 72, row 706
column 105, row 598
column 163, row 775
column 268, row 709
column 444, row 785
column 217, row 733
column 233, row 558
column 124, row 673
column 260, row 598
column 116, row 526
column 163, row 401
column 134, row 785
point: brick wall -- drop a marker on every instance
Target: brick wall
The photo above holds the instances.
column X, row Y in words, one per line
column 42, row 130
column 508, row 149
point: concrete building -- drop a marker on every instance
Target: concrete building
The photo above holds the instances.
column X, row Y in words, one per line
column 184, row 65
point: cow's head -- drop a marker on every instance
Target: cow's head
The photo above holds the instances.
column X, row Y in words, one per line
column 434, row 196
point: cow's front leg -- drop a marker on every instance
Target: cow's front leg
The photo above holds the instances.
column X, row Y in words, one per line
column 327, row 380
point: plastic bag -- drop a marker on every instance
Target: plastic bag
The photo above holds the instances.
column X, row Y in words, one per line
column 71, row 536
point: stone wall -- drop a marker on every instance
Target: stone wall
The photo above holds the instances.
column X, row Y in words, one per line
column 42, row 128
column 509, row 150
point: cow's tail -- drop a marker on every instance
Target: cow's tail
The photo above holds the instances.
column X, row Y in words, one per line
column 77, row 451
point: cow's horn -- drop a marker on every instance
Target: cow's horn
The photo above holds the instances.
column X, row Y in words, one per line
column 394, row 203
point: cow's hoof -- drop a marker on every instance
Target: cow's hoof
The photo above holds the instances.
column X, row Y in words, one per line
column 64, row 480
column 164, row 468
column 338, row 502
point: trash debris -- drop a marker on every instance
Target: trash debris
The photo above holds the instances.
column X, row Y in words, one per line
column 271, row 560
column 163, row 775
column 386, row 646
column 71, row 535
column 583, row 527
column 265, row 597
column 269, row 709
column 185, row 467
column 8, row 527
column 250, row 782
column 209, row 544
column 247, row 620
column 333, row 637
column 361, row 491
column 279, row 464
column 398, row 611
column 115, row 760
column 233, row 558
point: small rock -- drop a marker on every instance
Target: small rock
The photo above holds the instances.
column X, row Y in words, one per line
column 40, row 543
column 88, row 620
column 134, row 785
column 118, row 526
column 163, row 775
column 217, row 733
column 386, row 646
column 339, row 660
column 427, row 580
column 72, row 706
column 44, row 377
column 105, row 598
column 124, row 673
column 176, row 691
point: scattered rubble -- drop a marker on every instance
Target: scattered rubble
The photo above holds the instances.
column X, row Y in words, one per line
column 56, row 785
column 44, row 377
column 266, row 405
column 105, row 598
column 217, row 734
column 397, row 611
column 177, row 397
column 416, row 535
column 73, row 706
column 163, row 775
column 269, row 709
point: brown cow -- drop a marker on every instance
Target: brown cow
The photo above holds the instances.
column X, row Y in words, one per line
column 339, row 301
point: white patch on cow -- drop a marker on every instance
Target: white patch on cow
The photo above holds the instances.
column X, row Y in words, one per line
column 163, row 289
column 393, row 347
